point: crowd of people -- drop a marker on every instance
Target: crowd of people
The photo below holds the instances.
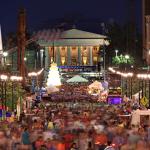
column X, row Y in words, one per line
column 69, row 92
column 59, row 127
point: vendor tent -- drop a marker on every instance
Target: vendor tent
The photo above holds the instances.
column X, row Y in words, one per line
column 96, row 85
column 77, row 79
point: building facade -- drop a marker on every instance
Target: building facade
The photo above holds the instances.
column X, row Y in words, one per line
column 70, row 48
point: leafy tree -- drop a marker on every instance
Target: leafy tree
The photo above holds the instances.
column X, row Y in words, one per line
column 117, row 60
column 18, row 91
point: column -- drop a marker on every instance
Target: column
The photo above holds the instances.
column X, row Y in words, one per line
column 68, row 55
column 47, row 58
column 79, row 56
column 41, row 56
column 90, row 56
column 47, row 62
column 58, row 56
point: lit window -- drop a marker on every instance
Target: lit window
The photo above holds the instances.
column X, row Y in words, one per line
column 63, row 60
column 95, row 59
column 84, row 60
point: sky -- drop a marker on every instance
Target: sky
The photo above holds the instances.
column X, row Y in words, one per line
column 40, row 11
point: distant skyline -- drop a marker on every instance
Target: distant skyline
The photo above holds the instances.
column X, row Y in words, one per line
column 39, row 12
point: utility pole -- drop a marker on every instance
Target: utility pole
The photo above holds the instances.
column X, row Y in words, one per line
column 21, row 42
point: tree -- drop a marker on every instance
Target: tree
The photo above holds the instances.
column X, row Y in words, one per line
column 117, row 60
column 122, row 40
column 53, row 76
column 18, row 91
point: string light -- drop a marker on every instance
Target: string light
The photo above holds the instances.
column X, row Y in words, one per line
column 143, row 76
column 31, row 74
column 129, row 74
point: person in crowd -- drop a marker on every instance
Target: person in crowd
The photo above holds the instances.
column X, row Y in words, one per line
column 73, row 146
column 25, row 137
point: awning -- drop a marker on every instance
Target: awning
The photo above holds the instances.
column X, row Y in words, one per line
column 77, row 79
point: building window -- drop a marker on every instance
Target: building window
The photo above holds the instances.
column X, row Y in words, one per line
column 95, row 48
column 84, row 60
column 73, row 61
column 63, row 60
column 95, row 60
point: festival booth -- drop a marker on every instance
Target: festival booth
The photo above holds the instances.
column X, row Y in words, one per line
column 98, row 89
column 77, row 79
column 95, row 88
column 140, row 116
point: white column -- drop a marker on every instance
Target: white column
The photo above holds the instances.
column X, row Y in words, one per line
column 58, row 56
column 47, row 62
column 68, row 56
column 90, row 56
column 41, row 55
column 47, row 58
column 79, row 56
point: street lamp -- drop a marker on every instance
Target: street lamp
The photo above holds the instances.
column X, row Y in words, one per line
column 105, row 43
column 25, row 58
column 5, row 54
column 42, row 56
column 116, row 51
column 127, row 57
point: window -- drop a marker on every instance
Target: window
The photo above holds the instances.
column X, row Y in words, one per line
column 84, row 60
column 63, row 59
column 95, row 60
column 95, row 48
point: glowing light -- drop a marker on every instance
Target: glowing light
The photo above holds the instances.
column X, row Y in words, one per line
column 34, row 74
column 5, row 54
column 4, row 77
column 16, row 78
column 25, row 58
column 127, row 56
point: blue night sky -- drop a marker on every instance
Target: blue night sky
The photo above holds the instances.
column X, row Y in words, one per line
column 39, row 11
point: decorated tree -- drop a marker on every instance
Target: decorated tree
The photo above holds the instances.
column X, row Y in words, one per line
column 53, row 76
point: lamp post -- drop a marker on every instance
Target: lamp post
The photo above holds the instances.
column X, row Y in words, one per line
column 116, row 51
column 127, row 58
column 5, row 54
column 105, row 43
column 42, row 56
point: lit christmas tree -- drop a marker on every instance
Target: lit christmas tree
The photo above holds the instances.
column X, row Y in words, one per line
column 53, row 76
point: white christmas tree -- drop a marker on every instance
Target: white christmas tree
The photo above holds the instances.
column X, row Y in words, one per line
column 53, row 76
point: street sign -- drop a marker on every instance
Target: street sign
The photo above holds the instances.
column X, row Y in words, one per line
column 144, row 101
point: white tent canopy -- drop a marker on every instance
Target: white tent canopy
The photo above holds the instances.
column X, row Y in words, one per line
column 96, row 85
column 77, row 79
